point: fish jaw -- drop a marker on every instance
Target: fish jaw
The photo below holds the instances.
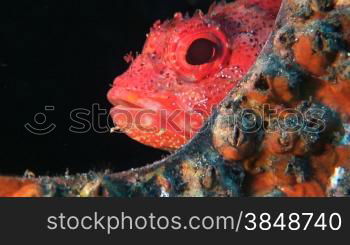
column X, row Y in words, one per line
column 158, row 120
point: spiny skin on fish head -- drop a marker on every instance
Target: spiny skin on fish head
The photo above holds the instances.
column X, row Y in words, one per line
column 187, row 66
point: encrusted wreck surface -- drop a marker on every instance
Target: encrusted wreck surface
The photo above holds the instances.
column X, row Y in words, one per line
column 284, row 131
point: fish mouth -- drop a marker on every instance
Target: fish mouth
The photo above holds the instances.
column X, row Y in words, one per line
column 136, row 109
column 123, row 99
column 145, row 116
column 122, row 103
column 131, row 100
column 128, row 110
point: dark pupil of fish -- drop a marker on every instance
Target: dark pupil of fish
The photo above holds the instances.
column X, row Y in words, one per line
column 201, row 51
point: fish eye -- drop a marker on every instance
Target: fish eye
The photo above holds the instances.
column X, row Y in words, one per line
column 201, row 51
column 198, row 53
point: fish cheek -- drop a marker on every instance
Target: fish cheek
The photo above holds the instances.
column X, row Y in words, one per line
column 246, row 49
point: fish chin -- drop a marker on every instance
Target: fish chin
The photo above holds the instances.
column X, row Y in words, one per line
column 153, row 128
column 158, row 120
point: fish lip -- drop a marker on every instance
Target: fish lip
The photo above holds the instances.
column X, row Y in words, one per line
column 134, row 100
column 135, row 104
column 122, row 103
column 120, row 99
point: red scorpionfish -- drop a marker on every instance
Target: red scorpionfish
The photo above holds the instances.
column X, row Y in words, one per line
column 187, row 67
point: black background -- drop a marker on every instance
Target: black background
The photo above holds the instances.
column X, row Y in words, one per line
column 66, row 54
